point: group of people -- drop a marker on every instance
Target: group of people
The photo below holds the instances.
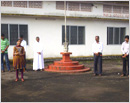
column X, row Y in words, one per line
column 19, row 55
column 97, row 49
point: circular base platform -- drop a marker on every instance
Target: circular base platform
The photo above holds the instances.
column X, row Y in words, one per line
column 68, row 71
column 66, row 65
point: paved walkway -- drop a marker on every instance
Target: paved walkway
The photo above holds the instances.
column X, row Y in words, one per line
column 57, row 87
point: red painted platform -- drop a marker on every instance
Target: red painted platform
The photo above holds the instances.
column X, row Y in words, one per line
column 66, row 65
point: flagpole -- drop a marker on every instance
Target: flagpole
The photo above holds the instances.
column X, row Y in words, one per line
column 65, row 21
column 66, row 44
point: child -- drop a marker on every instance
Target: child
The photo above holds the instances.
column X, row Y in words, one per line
column 18, row 60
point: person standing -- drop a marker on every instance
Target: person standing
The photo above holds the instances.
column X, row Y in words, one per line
column 19, row 60
column 24, row 44
column 4, row 52
column 125, row 51
column 97, row 49
column 38, row 61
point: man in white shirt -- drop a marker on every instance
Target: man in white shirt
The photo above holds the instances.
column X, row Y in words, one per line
column 125, row 51
column 24, row 44
column 97, row 49
column 38, row 60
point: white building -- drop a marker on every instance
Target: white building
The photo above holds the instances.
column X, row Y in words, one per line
column 85, row 20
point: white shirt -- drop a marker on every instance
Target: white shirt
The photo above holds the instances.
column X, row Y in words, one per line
column 37, row 47
column 97, row 47
column 125, row 48
column 24, row 44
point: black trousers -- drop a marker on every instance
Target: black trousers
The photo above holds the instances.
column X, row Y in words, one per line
column 125, row 61
column 25, row 60
column 98, row 61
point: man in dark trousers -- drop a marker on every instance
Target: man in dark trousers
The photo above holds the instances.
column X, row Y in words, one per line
column 97, row 49
column 125, row 51
column 24, row 44
column 4, row 52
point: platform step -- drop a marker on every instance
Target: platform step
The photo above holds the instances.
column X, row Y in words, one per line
column 59, row 63
column 68, row 71
column 75, row 67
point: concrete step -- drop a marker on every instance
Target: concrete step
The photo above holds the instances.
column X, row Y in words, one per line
column 59, row 63
column 74, row 67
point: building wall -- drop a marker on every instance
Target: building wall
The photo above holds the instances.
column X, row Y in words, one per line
column 50, row 33
column 49, row 9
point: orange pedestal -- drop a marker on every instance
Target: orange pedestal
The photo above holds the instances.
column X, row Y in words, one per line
column 66, row 65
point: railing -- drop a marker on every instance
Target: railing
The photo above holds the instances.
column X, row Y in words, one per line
column 23, row 4
column 74, row 6
column 116, row 11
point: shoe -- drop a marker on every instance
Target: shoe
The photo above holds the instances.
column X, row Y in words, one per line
column 22, row 80
column 9, row 71
column 26, row 70
column 100, row 74
column 122, row 75
column 95, row 74
column 3, row 71
column 42, row 70
column 16, row 80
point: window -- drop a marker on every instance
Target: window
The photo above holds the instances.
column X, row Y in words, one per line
column 4, row 30
column 13, row 31
column 86, row 7
column 35, row 4
column 75, row 34
column 74, row 6
column 22, row 4
column 126, row 10
column 107, row 8
column 13, row 34
column 23, row 30
column 6, row 3
column 116, row 9
column 115, row 35
column 60, row 5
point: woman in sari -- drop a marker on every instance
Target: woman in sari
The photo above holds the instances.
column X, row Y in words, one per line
column 18, row 60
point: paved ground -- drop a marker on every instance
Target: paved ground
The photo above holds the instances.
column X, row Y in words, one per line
column 58, row 87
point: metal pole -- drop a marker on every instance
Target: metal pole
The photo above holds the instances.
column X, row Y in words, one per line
column 65, row 21
column 66, row 42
